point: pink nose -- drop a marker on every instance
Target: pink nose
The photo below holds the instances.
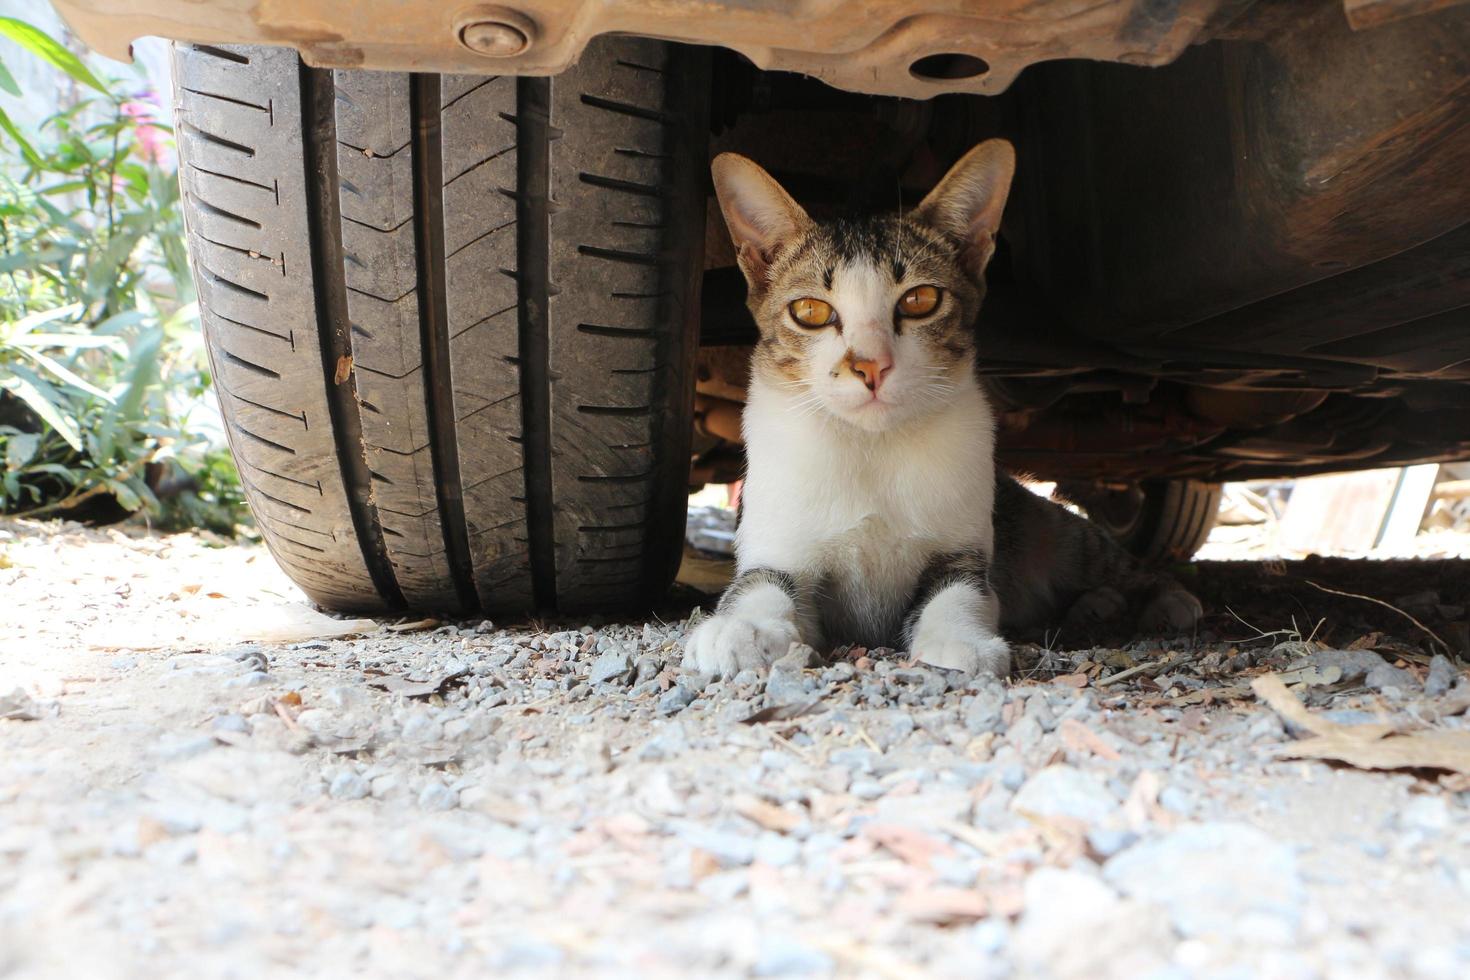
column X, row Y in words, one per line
column 872, row 370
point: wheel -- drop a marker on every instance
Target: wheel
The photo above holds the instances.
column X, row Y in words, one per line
column 1157, row 520
column 452, row 319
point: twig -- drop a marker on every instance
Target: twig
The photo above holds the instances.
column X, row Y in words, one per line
column 1153, row 665
column 1386, row 605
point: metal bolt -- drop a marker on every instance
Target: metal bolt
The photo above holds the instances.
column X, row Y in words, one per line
column 494, row 38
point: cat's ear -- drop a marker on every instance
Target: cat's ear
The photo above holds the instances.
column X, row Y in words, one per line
column 967, row 203
column 762, row 217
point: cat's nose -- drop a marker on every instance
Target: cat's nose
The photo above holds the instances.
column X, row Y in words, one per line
column 872, row 370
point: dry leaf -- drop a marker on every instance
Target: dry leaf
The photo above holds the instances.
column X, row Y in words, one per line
column 415, row 689
column 1375, row 746
column 768, row 815
column 943, row 906
column 912, row 846
column 1421, row 750
column 784, row 712
column 1270, row 689
column 1079, row 738
column 1078, row 680
column 344, row 369
column 416, row 625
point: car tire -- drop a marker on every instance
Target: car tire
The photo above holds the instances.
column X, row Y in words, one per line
column 1159, row 521
column 452, row 319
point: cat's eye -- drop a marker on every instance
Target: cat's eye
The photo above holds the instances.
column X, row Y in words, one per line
column 812, row 312
column 919, row 301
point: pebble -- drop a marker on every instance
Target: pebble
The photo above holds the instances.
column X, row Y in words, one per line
column 1430, row 814
column 675, row 699
column 781, row 956
column 611, row 666
column 1385, row 676
column 1442, row 676
column 983, row 714
column 777, row 850
column 1065, row 791
column 349, row 785
column 437, row 796
column 1215, row 879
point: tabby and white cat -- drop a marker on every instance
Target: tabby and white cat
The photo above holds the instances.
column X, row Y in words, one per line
column 872, row 512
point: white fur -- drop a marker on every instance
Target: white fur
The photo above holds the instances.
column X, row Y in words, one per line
column 756, row 631
column 861, row 505
column 957, row 631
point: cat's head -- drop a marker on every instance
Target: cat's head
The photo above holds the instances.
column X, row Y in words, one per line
column 869, row 320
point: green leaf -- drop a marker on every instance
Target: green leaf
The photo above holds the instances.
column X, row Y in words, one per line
column 26, row 149
column 33, row 395
column 7, row 81
column 47, row 48
column 20, row 449
column 65, row 374
column 125, row 495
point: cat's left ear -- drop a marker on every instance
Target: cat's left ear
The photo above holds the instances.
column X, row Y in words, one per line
column 967, row 203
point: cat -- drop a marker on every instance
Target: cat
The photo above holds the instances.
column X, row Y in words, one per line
column 872, row 512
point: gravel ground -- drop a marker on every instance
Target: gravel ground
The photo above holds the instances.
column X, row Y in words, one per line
column 200, row 776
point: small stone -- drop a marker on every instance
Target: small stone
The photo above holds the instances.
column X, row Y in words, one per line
column 787, row 683
column 1354, row 664
column 1442, row 676
column 611, row 666
column 349, row 785
column 1430, row 814
column 984, row 711
column 386, row 785
column 926, row 682
column 1215, row 879
column 437, row 796
column 646, row 669
column 777, row 850
column 867, row 789
column 252, row 679
column 1025, row 734
column 1039, row 709
column 746, row 678
column 781, row 956
column 1106, row 842
column 675, row 699
column 1385, row 676
column 728, row 848
column 231, row 723
column 1065, row 791
column 889, row 727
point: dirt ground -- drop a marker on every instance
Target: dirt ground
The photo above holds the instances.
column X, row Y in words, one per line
column 201, row 776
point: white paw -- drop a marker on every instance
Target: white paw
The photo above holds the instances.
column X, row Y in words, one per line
column 973, row 656
column 1171, row 611
column 727, row 644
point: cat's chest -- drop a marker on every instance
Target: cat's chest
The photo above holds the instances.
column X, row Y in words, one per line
column 864, row 511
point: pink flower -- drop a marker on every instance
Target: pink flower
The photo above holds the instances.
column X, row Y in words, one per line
column 152, row 143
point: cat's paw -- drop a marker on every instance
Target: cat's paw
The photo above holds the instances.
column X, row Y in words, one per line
column 724, row 645
column 1100, row 605
column 1171, row 611
column 971, row 652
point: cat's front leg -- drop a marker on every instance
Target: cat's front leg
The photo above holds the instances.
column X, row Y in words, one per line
column 953, row 620
column 753, row 626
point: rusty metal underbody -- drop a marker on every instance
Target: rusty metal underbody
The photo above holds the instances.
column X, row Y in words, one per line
column 913, row 48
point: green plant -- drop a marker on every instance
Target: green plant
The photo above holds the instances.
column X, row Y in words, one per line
column 101, row 365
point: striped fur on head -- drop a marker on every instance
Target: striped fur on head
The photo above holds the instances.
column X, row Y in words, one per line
column 861, row 268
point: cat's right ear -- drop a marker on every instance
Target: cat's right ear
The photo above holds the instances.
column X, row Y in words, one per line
column 762, row 218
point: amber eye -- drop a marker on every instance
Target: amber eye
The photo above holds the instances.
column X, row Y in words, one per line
column 812, row 313
column 919, row 301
